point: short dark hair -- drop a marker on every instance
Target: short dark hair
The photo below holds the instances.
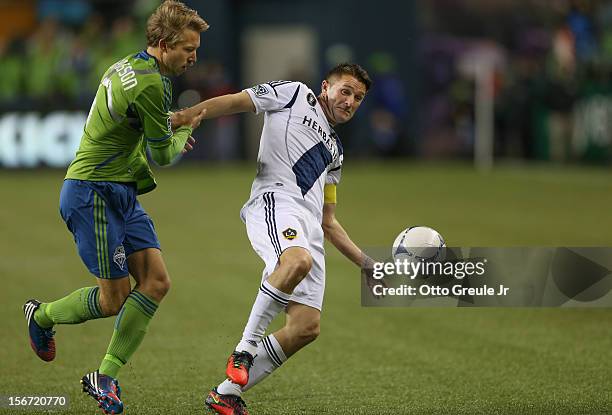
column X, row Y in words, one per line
column 352, row 69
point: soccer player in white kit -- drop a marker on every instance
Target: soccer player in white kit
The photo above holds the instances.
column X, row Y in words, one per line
column 290, row 211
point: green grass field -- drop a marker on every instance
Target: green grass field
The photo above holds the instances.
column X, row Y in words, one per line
column 367, row 360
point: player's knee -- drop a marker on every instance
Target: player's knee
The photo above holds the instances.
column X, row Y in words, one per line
column 300, row 264
column 111, row 302
column 111, row 308
column 308, row 332
column 304, row 264
column 164, row 286
column 157, row 285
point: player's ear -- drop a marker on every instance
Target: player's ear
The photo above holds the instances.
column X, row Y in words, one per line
column 324, row 86
column 163, row 45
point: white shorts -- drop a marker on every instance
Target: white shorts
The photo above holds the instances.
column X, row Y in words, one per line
column 275, row 222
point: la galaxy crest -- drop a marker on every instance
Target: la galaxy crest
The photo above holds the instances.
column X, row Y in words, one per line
column 290, row 234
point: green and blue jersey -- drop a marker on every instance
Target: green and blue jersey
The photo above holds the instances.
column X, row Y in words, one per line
column 131, row 111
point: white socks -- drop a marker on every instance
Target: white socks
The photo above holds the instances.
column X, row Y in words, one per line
column 267, row 351
column 227, row 387
column 268, row 357
column 269, row 302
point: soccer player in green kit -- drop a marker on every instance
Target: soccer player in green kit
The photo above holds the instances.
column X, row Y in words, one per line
column 114, row 235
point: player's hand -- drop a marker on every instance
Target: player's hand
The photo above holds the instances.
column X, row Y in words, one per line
column 188, row 145
column 367, row 272
column 187, row 117
column 195, row 121
column 178, row 119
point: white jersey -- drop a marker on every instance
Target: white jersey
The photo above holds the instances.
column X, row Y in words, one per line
column 299, row 152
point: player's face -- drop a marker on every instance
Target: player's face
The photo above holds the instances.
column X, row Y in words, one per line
column 343, row 95
column 182, row 55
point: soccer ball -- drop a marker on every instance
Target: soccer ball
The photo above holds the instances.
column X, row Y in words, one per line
column 419, row 243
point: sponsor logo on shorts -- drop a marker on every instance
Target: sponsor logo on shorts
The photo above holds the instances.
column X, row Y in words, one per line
column 119, row 257
column 290, row 234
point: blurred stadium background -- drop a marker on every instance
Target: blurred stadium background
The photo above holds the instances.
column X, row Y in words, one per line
column 496, row 115
column 523, row 79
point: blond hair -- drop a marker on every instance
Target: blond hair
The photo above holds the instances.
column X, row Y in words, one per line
column 169, row 21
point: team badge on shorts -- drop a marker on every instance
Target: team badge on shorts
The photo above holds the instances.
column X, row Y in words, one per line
column 290, row 234
column 119, row 256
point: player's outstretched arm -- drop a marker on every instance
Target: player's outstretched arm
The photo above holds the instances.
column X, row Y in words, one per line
column 165, row 151
column 335, row 233
column 216, row 107
column 165, row 144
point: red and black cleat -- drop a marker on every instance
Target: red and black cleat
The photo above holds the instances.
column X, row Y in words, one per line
column 41, row 339
column 225, row 404
column 238, row 366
